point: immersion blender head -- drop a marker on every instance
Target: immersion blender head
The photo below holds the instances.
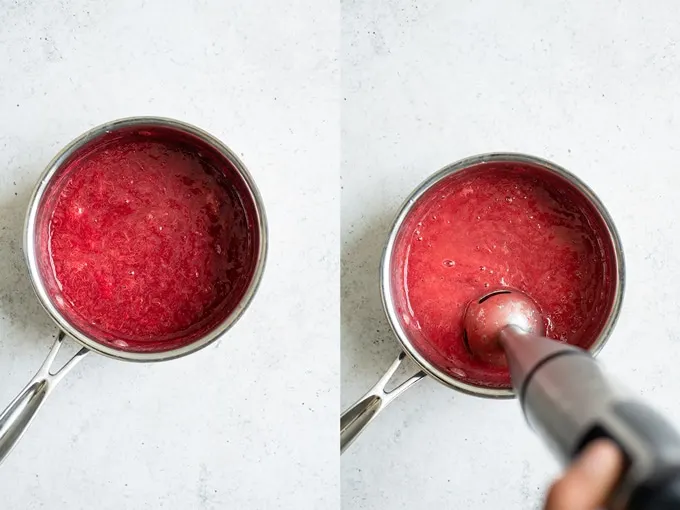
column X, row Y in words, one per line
column 569, row 400
column 506, row 327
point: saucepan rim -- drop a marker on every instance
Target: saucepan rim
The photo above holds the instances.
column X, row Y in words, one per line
column 386, row 263
column 46, row 180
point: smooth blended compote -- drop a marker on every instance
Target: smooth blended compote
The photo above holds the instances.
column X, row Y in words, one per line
column 495, row 228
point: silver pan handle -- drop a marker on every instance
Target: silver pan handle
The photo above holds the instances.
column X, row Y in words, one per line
column 355, row 419
column 20, row 413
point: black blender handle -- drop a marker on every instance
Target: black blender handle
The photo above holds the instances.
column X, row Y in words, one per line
column 662, row 492
column 658, row 488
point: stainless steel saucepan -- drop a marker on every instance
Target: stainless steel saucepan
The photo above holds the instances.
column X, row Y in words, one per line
column 431, row 363
column 19, row 414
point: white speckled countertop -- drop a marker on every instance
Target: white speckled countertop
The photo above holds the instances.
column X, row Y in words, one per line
column 250, row 422
column 591, row 86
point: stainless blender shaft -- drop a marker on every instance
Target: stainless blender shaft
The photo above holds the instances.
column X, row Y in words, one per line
column 569, row 401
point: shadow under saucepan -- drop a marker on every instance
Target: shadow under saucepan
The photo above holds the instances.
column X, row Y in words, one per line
column 368, row 345
column 23, row 322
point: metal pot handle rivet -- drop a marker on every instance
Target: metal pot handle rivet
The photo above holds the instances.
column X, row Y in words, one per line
column 355, row 419
column 20, row 413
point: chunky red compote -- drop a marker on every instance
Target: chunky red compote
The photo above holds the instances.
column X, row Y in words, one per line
column 149, row 243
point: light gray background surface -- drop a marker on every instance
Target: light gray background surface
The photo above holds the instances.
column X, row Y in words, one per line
column 594, row 86
column 251, row 422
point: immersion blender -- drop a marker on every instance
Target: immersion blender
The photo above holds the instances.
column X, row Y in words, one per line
column 569, row 400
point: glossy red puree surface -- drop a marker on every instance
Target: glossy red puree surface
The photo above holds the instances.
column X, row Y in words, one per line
column 149, row 243
column 490, row 229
